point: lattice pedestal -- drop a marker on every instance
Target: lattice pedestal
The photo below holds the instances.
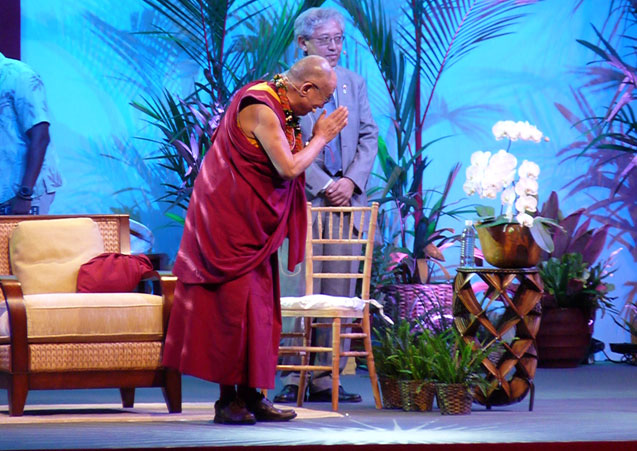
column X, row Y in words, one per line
column 504, row 309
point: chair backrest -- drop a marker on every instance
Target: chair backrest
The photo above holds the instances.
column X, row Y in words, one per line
column 115, row 231
column 360, row 233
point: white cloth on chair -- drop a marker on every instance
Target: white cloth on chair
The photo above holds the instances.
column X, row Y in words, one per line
column 321, row 301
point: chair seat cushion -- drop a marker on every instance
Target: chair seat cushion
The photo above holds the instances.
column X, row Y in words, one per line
column 321, row 302
column 91, row 317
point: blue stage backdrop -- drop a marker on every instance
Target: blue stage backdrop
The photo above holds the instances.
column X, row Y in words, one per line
column 94, row 67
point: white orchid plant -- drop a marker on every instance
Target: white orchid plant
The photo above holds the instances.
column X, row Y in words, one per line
column 490, row 174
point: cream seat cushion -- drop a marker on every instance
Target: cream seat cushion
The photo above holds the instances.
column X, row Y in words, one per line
column 46, row 255
column 91, row 317
column 321, row 302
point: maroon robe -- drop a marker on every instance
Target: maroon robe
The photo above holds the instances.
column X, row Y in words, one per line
column 225, row 323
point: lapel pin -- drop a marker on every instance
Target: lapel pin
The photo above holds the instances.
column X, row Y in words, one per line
column 344, row 89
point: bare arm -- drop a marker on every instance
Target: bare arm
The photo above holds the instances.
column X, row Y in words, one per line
column 260, row 121
column 38, row 141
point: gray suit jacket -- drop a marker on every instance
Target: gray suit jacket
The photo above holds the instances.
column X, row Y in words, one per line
column 359, row 140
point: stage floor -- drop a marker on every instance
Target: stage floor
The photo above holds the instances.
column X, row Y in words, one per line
column 591, row 403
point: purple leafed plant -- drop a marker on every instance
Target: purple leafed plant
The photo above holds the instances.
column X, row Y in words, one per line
column 573, row 237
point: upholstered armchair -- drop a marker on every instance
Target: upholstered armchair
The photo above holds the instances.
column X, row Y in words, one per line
column 52, row 337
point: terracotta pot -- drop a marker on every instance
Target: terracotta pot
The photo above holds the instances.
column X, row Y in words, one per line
column 564, row 337
column 508, row 246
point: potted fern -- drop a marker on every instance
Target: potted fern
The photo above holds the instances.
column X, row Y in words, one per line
column 387, row 361
column 417, row 390
column 403, row 357
column 457, row 370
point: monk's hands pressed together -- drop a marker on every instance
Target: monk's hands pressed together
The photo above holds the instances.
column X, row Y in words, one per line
column 330, row 126
column 339, row 192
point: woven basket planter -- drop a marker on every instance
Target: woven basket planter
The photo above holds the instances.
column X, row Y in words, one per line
column 390, row 391
column 431, row 303
column 454, row 399
column 417, row 395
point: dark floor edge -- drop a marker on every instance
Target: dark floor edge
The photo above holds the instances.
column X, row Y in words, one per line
column 518, row 446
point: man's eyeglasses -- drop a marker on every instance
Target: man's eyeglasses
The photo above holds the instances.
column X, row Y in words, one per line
column 324, row 41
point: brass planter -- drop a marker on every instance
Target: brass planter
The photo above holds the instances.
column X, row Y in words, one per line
column 508, row 246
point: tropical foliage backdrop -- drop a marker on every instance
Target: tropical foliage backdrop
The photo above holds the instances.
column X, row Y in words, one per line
column 135, row 91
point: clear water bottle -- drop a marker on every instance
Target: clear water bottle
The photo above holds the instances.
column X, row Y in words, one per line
column 467, row 244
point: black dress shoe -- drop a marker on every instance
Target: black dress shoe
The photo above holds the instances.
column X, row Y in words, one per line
column 287, row 395
column 263, row 410
column 326, row 396
column 234, row 413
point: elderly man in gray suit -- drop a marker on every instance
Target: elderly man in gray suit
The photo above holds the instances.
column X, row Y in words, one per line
column 337, row 177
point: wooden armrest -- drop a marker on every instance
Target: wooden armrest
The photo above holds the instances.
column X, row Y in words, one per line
column 12, row 290
column 167, row 282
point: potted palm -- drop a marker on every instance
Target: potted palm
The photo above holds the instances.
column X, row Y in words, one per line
column 457, row 370
column 411, row 278
column 574, row 291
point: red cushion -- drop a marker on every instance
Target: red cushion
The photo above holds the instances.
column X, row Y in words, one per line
column 112, row 273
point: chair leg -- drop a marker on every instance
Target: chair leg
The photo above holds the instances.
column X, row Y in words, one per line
column 172, row 390
column 17, row 394
column 300, row 394
column 305, row 360
column 336, row 361
column 371, row 366
column 128, row 396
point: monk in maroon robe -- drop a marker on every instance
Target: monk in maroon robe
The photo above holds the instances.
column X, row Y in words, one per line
column 225, row 323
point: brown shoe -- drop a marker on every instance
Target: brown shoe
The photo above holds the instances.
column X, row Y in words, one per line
column 264, row 410
column 233, row 413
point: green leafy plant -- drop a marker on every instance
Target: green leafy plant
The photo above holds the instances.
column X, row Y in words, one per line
column 386, row 350
column 412, row 53
column 414, row 253
column 232, row 42
column 607, row 139
column 458, row 361
column 187, row 129
column 404, row 352
column 571, row 236
column 628, row 320
column 572, row 282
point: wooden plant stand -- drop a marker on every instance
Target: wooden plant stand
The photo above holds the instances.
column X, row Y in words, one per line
column 515, row 293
